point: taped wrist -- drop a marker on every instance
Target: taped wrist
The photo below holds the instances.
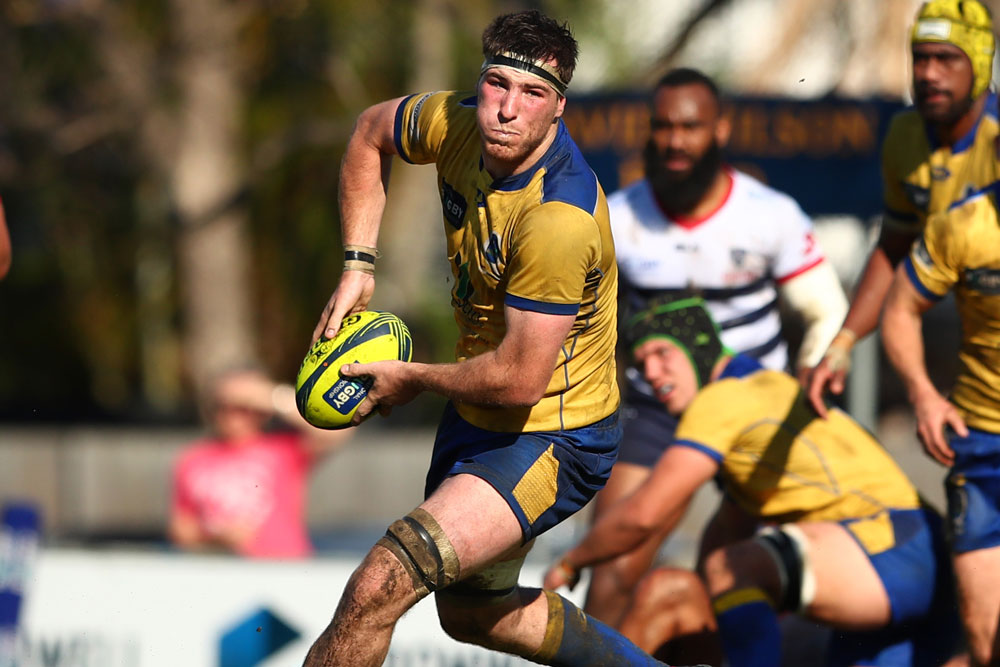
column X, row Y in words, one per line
column 425, row 552
column 838, row 355
column 360, row 258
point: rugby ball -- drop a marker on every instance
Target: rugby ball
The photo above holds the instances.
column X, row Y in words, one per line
column 323, row 397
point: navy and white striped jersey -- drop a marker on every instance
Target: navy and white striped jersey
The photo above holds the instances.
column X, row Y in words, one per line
column 735, row 258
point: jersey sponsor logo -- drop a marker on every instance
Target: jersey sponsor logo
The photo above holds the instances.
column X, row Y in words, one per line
column 745, row 267
column 454, row 205
column 940, row 173
column 983, row 280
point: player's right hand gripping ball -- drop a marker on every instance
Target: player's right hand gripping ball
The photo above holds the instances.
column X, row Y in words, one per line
column 326, row 399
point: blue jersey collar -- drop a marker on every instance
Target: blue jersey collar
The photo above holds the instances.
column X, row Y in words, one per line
column 740, row 365
column 519, row 181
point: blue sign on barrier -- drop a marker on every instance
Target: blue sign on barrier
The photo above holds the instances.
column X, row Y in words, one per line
column 19, row 531
column 824, row 152
column 253, row 639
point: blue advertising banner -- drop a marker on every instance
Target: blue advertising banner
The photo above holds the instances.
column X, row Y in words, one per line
column 824, row 153
column 19, row 532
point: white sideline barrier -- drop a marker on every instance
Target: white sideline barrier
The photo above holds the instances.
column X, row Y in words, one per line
column 134, row 609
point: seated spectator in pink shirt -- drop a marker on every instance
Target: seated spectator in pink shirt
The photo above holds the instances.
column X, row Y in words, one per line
column 243, row 488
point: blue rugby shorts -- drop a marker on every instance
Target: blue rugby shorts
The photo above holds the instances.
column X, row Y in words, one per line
column 647, row 429
column 925, row 629
column 544, row 476
column 973, row 491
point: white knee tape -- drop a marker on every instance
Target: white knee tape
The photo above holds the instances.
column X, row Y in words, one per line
column 799, row 561
column 808, row 591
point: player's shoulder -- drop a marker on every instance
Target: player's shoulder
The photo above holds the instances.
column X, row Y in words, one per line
column 904, row 126
column 748, row 192
column 460, row 99
column 726, row 395
column 629, row 194
column 630, row 203
column 567, row 177
column 974, row 216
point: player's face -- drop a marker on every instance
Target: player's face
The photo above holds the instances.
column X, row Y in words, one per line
column 669, row 371
column 942, row 82
column 516, row 113
column 685, row 125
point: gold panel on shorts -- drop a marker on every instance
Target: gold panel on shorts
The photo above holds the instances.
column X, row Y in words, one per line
column 536, row 492
column 875, row 534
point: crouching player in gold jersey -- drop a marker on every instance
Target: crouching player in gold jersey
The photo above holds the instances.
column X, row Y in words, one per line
column 960, row 252
column 837, row 531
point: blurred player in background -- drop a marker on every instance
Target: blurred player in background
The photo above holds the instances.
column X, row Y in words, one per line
column 695, row 224
column 531, row 429
column 5, row 250
column 243, row 488
column 934, row 156
column 841, row 533
column 959, row 251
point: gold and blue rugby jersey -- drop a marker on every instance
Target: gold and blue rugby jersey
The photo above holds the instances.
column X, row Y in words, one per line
column 538, row 241
column 921, row 178
column 960, row 251
column 782, row 463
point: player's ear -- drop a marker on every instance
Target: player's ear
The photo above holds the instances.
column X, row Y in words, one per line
column 560, row 106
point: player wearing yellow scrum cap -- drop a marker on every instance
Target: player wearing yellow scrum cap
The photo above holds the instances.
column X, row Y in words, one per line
column 959, row 35
column 935, row 156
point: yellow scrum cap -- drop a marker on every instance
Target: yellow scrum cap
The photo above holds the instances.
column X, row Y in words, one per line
column 966, row 24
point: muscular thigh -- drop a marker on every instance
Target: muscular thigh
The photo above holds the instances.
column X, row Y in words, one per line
column 477, row 521
column 849, row 592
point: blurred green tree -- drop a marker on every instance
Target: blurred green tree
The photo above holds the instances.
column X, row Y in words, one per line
column 169, row 170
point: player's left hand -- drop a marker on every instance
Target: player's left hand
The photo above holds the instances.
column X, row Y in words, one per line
column 561, row 574
column 934, row 412
column 391, row 385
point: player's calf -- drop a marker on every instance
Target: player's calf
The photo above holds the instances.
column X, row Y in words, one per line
column 378, row 593
column 574, row 639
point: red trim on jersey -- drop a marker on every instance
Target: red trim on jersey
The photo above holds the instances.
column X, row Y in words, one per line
column 691, row 223
column 785, row 279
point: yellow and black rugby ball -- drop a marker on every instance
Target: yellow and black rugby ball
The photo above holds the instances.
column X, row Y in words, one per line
column 326, row 399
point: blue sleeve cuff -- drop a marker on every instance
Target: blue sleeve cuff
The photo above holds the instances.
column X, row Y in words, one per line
column 397, row 129
column 911, row 273
column 707, row 451
column 521, row 303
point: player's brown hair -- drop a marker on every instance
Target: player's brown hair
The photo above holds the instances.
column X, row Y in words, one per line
column 533, row 35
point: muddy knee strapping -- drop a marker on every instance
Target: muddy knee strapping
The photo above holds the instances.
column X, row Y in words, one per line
column 425, row 552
